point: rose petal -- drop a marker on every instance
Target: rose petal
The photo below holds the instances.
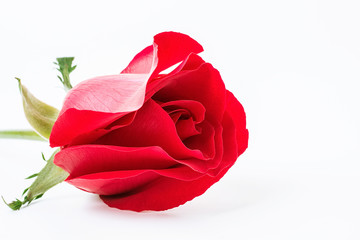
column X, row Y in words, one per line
column 118, row 182
column 237, row 113
column 109, row 183
column 205, row 141
column 87, row 159
column 186, row 85
column 169, row 48
column 75, row 126
column 161, row 194
column 142, row 62
column 192, row 62
column 210, row 143
column 110, row 94
column 186, row 128
column 196, row 109
column 229, row 146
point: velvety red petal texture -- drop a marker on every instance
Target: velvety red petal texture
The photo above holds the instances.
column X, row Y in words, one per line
column 200, row 84
column 146, row 140
column 152, row 126
column 125, row 181
column 237, row 113
column 161, row 194
column 168, row 49
column 88, row 159
column 195, row 109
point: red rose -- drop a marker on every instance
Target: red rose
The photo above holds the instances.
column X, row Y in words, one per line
column 144, row 140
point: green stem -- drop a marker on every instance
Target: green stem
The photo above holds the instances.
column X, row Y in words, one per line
column 65, row 68
column 66, row 78
column 21, row 134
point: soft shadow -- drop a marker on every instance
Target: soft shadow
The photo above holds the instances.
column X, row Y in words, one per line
column 99, row 207
column 225, row 197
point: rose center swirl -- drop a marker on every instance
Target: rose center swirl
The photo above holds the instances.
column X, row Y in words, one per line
column 186, row 115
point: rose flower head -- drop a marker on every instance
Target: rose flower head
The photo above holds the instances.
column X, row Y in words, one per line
column 144, row 140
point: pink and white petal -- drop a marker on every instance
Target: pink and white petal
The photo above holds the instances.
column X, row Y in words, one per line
column 142, row 62
column 120, row 93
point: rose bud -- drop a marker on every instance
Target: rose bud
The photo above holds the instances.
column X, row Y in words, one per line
column 144, row 140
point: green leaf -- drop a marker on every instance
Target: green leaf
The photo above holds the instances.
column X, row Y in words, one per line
column 65, row 68
column 40, row 115
column 15, row 205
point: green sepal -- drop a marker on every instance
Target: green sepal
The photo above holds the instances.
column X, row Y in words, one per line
column 43, row 157
column 47, row 178
column 32, row 176
column 40, row 115
column 25, row 191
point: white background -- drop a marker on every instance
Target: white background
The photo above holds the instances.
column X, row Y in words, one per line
column 294, row 65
